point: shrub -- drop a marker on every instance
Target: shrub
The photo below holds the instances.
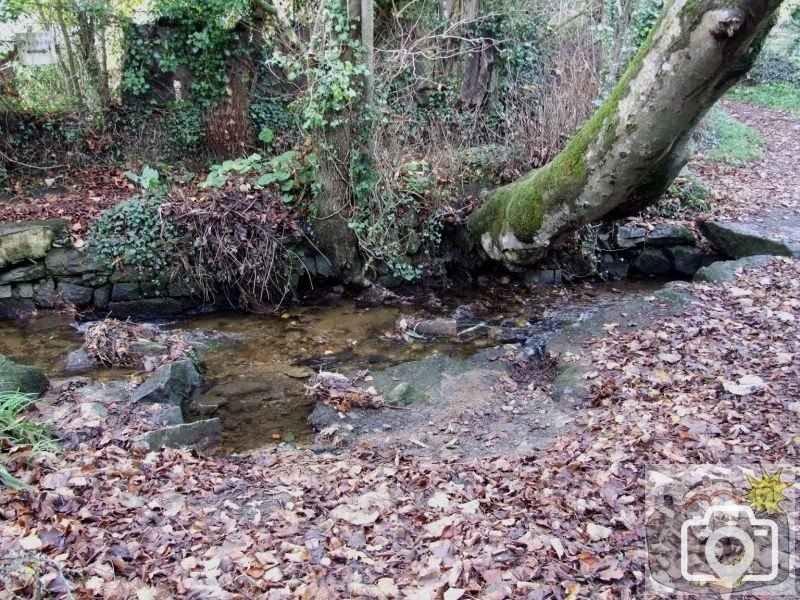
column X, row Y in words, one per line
column 771, row 67
column 134, row 234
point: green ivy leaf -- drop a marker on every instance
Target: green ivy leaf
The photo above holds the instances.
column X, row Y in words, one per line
column 266, row 135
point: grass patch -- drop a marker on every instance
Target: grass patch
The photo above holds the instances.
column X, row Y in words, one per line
column 686, row 192
column 16, row 430
column 778, row 96
column 726, row 140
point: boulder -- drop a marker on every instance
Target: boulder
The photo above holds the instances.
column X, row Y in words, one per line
column 652, row 261
column 323, row 416
column 32, row 272
column 24, row 241
column 198, row 433
column 737, row 240
column 670, row 235
column 725, row 270
column 685, row 259
column 70, row 261
column 23, row 378
column 400, row 394
column 79, row 360
column 5, row 291
column 169, row 384
column 75, row 294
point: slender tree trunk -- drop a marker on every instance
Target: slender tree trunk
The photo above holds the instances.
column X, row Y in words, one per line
column 89, row 55
column 72, row 75
column 629, row 152
column 368, row 41
column 104, row 81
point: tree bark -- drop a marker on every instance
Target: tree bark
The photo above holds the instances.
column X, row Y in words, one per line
column 628, row 153
column 368, row 42
column 104, row 80
column 334, row 203
column 72, row 74
column 87, row 24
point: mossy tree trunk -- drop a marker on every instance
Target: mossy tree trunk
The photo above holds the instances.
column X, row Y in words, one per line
column 336, row 148
column 637, row 142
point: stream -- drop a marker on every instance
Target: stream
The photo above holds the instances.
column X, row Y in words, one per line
column 257, row 365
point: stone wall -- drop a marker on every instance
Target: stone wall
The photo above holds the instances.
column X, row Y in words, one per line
column 40, row 271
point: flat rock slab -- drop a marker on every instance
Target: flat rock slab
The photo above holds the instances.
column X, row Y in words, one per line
column 727, row 270
column 198, row 433
column 445, row 406
column 104, row 392
column 737, row 240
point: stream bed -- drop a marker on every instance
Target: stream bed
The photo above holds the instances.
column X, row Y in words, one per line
column 257, row 365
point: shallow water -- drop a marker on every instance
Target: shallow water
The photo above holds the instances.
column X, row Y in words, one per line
column 257, row 365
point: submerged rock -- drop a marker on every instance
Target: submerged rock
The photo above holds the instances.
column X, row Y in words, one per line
column 298, row 372
column 24, row 378
column 169, row 384
column 437, row 327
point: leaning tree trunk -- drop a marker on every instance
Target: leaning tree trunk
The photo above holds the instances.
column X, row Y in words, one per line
column 637, row 142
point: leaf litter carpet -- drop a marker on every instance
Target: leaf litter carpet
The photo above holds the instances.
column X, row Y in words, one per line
column 108, row 519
